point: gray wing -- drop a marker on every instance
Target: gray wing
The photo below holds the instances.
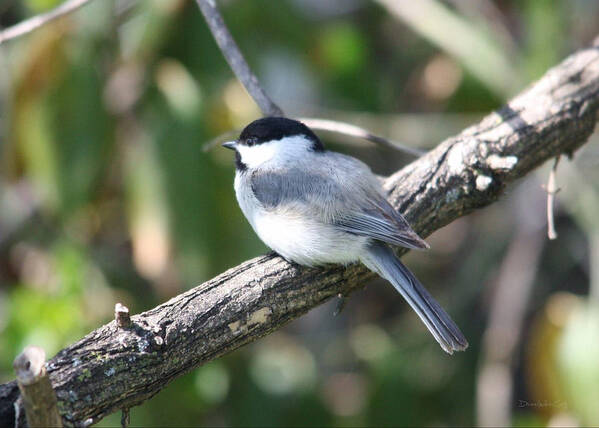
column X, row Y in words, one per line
column 381, row 222
column 358, row 208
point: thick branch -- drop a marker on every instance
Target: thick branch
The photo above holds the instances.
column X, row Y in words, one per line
column 37, row 21
column 114, row 368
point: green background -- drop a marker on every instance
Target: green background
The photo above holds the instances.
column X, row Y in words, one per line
column 106, row 195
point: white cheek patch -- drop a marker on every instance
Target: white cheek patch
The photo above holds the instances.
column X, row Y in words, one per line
column 285, row 149
column 256, row 155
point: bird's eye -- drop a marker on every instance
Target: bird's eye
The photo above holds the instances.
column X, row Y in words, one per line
column 251, row 141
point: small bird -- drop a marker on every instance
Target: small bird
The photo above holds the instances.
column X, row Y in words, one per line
column 316, row 207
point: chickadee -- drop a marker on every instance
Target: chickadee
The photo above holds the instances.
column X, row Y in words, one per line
column 316, row 207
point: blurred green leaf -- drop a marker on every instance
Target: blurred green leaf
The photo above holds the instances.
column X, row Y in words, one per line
column 578, row 363
column 343, row 49
column 41, row 5
column 480, row 54
column 544, row 27
column 212, row 382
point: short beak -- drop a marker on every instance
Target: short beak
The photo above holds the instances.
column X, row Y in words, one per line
column 230, row 145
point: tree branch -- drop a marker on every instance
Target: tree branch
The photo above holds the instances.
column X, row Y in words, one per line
column 235, row 58
column 36, row 390
column 114, row 367
column 37, row 21
column 348, row 129
column 240, row 67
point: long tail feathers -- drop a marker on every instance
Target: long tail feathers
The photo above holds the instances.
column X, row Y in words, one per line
column 383, row 261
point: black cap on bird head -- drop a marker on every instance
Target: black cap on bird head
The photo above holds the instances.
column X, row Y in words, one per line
column 275, row 128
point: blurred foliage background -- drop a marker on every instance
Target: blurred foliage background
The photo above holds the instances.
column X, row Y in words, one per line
column 106, row 195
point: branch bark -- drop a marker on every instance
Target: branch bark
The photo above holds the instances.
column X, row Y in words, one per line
column 114, row 367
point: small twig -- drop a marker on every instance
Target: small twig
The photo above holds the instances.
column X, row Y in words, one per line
column 240, row 67
column 38, row 396
column 37, row 21
column 121, row 315
column 551, row 190
column 341, row 301
column 348, row 129
column 125, row 418
column 235, row 58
